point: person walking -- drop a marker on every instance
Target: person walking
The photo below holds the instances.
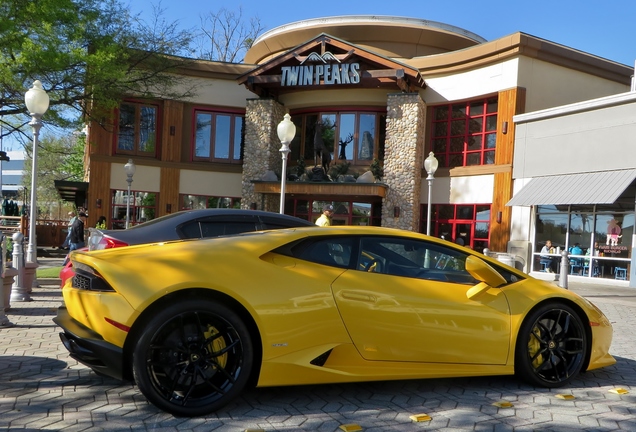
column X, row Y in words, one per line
column 77, row 232
column 325, row 218
column 67, row 240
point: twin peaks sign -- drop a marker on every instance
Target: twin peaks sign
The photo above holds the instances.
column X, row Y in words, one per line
column 323, row 69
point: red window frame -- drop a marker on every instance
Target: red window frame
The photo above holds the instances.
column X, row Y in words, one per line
column 465, row 133
column 232, row 138
column 449, row 220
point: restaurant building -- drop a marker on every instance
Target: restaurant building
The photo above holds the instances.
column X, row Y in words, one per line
column 371, row 97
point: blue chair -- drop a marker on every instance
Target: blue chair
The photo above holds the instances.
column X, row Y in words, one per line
column 575, row 266
column 620, row 273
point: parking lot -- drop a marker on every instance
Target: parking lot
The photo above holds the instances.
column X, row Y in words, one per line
column 42, row 388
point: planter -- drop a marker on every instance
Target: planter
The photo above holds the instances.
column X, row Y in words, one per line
column 29, row 276
column 7, row 282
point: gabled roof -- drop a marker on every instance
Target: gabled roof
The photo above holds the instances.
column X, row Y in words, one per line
column 376, row 71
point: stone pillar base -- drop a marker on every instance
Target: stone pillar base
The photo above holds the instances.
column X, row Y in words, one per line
column 21, row 293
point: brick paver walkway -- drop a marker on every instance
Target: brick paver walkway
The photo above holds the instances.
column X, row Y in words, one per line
column 42, row 388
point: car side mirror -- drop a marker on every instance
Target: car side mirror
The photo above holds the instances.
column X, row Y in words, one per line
column 483, row 272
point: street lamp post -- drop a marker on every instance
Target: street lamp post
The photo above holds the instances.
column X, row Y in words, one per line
column 130, row 168
column 37, row 102
column 286, row 132
column 430, row 164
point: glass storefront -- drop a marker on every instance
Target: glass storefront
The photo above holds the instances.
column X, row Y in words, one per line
column 141, row 207
column 597, row 237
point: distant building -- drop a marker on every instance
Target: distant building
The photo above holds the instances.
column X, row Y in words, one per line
column 12, row 172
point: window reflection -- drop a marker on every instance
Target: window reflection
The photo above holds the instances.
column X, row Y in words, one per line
column 137, row 129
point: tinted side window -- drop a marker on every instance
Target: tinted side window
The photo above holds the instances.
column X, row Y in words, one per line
column 215, row 229
column 335, row 252
column 269, row 222
column 190, row 230
column 413, row 258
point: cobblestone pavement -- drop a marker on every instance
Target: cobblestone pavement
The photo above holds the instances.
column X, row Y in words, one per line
column 42, row 388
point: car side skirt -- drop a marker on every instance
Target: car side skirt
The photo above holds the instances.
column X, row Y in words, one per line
column 344, row 364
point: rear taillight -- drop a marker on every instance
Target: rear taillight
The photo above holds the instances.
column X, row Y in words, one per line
column 107, row 243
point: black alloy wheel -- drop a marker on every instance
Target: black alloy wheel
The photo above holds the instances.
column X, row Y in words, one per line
column 551, row 346
column 193, row 357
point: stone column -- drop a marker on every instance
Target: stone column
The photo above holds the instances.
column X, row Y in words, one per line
column 261, row 150
column 403, row 160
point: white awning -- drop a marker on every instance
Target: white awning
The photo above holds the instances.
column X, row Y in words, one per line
column 602, row 187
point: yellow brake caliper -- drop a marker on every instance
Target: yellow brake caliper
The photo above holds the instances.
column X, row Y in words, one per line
column 216, row 345
column 534, row 346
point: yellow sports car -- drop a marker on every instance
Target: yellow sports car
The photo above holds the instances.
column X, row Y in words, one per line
column 195, row 322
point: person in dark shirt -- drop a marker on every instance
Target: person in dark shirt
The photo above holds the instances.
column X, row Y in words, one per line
column 77, row 232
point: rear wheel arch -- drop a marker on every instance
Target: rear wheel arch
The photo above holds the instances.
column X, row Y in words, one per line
column 198, row 293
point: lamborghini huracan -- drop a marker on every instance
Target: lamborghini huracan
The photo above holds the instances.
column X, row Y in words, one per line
column 194, row 322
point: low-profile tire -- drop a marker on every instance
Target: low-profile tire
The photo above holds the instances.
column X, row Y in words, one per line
column 551, row 346
column 193, row 357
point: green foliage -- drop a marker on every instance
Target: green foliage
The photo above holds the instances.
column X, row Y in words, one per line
column 49, row 272
column 339, row 169
column 149, row 201
column 87, row 53
column 9, row 255
column 376, row 169
column 300, row 167
column 59, row 158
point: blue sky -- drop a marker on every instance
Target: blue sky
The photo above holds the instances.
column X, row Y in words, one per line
column 605, row 29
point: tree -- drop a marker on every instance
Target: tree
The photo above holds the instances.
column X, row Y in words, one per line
column 59, row 158
column 226, row 36
column 88, row 55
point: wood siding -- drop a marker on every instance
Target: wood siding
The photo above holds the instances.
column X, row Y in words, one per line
column 101, row 139
column 168, row 191
column 171, row 131
column 99, row 189
column 511, row 102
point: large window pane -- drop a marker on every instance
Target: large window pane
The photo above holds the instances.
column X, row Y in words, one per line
column 329, row 123
column 148, row 129
column 238, row 138
column 222, row 137
column 346, row 134
column 367, row 136
column 126, row 135
column 202, row 135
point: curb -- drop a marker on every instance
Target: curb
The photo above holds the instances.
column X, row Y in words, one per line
column 49, row 281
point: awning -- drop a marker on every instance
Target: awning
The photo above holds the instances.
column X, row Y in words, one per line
column 74, row 192
column 602, row 187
